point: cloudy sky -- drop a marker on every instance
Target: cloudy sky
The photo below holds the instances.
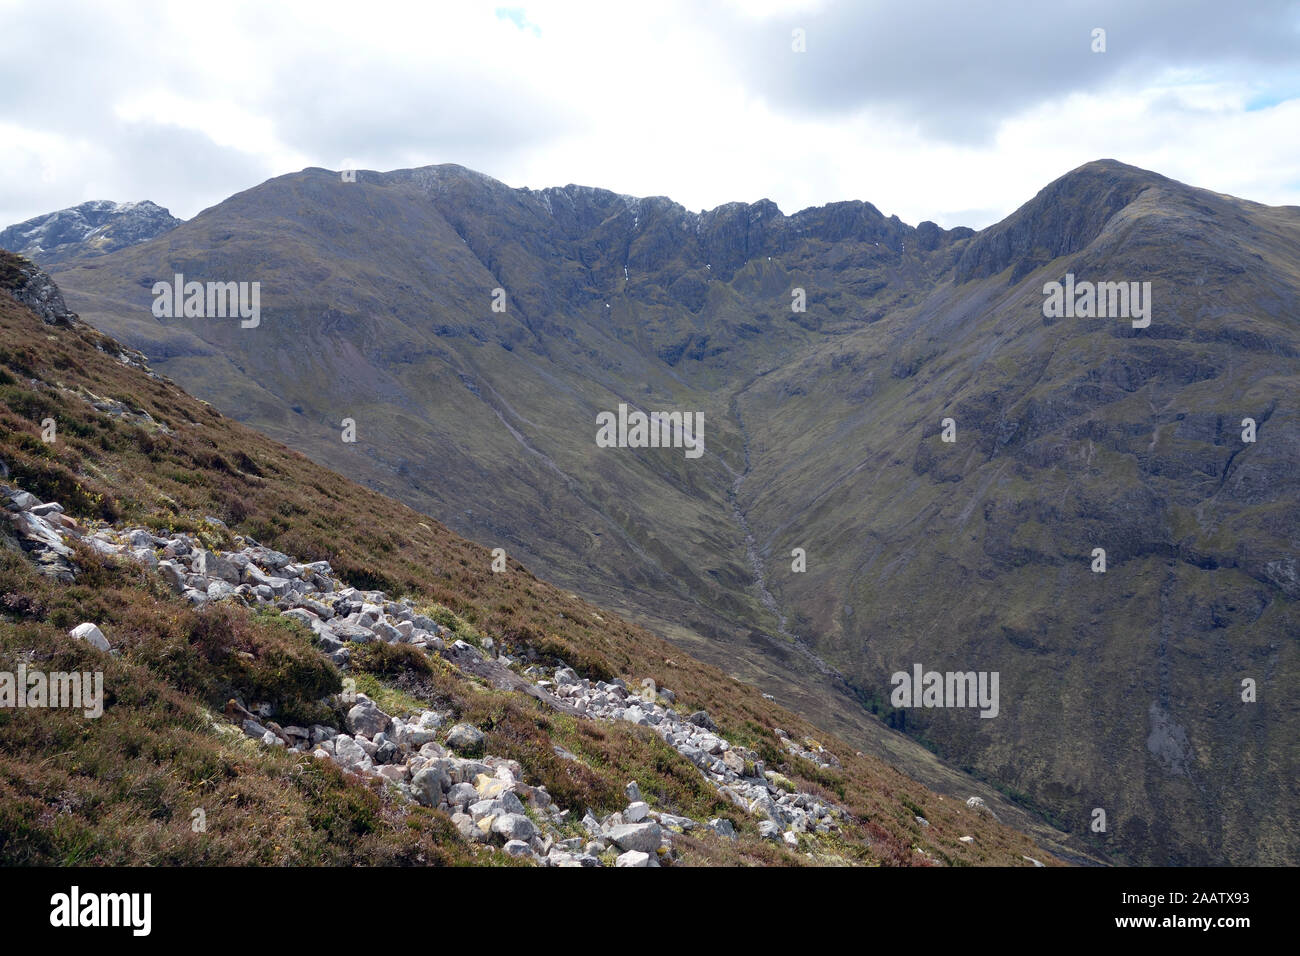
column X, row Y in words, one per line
column 952, row 111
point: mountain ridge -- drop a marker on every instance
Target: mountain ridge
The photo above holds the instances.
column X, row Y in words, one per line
column 1070, row 432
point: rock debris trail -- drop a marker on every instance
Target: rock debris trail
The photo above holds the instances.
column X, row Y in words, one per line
column 486, row 796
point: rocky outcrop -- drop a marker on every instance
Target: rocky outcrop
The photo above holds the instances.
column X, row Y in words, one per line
column 30, row 286
column 739, row 773
column 40, row 530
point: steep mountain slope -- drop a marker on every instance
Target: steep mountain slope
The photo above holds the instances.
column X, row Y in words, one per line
column 377, row 307
column 132, row 451
column 822, row 432
column 1122, row 690
column 91, row 228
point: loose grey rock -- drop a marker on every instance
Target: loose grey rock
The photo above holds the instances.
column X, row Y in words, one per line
column 431, row 783
column 24, row 500
column 320, row 733
column 701, row 718
column 673, row 822
column 217, row 566
column 462, row 795
column 645, row 837
column 322, row 611
column 485, row 808
column 348, row 753
column 977, row 804
column 514, row 826
column 466, row 739
column 348, row 631
column 91, row 635
column 722, row 827
column 220, row 590
column 511, row 802
column 464, row 823
column 366, row 718
column 302, row 615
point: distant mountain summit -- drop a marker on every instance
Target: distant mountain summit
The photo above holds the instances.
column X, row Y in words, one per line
column 92, row 228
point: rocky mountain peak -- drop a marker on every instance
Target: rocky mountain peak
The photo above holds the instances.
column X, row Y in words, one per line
column 94, row 227
column 1065, row 216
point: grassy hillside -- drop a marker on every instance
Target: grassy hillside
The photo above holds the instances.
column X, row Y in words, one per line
column 134, row 449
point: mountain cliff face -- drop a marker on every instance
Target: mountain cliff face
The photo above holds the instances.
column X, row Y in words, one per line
column 825, row 431
column 91, row 228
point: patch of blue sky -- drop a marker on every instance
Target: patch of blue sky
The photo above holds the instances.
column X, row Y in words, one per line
column 519, row 17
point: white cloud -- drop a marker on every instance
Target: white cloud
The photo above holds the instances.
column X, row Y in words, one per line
column 183, row 105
